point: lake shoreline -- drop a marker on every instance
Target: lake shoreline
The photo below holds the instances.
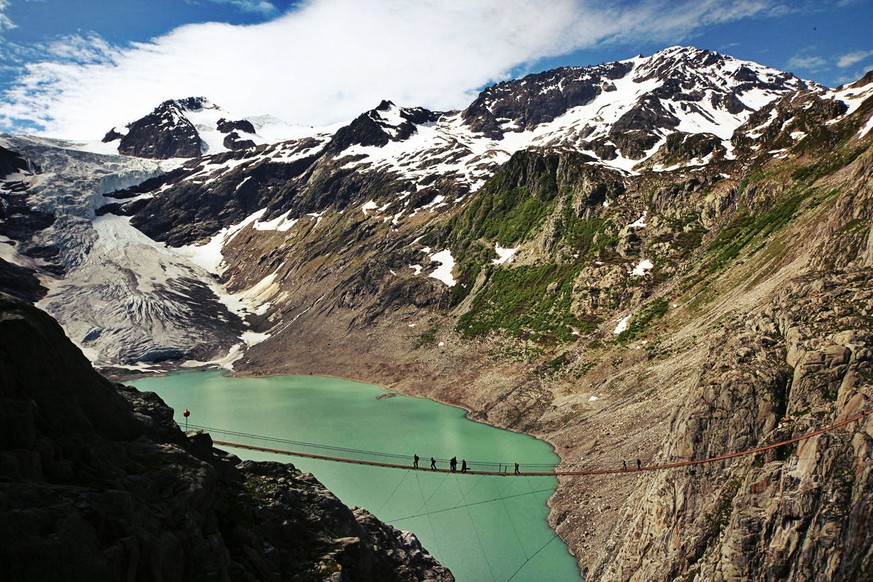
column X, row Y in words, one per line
column 247, row 400
column 469, row 414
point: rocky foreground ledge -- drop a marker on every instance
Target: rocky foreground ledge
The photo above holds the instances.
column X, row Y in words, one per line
column 98, row 483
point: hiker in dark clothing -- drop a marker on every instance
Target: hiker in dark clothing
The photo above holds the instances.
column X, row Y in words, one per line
column 453, row 464
column 463, row 465
column 433, row 463
column 415, row 461
column 639, row 465
column 624, row 465
column 516, row 469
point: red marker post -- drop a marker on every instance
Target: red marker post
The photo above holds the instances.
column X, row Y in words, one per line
column 186, row 414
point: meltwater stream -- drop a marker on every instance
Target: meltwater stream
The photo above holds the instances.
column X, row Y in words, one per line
column 480, row 527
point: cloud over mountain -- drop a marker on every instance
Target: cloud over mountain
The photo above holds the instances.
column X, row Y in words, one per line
column 330, row 59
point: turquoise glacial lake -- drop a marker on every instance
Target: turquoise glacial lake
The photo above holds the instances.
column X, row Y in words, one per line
column 481, row 527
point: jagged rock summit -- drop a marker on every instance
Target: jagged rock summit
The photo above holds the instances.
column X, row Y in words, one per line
column 183, row 128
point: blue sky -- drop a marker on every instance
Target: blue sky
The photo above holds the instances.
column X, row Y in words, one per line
column 807, row 39
column 75, row 67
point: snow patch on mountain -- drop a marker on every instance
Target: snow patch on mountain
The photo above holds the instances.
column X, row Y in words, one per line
column 864, row 130
column 255, row 300
column 852, row 95
column 281, row 223
column 503, row 255
column 369, row 205
column 444, row 271
column 642, row 268
column 622, row 325
column 639, row 222
column 208, row 255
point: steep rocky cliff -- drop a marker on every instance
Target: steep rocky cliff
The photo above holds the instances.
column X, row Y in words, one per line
column 98, row 483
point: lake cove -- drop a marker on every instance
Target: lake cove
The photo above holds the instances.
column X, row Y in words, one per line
column 481, row 527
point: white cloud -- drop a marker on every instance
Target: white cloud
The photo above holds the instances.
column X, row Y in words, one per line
column 87, row 49
column 5, row 23
column 806, row 62
column 329, row 60
column 850, row 59
column 257, row 6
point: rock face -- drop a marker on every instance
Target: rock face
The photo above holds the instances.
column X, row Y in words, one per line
column 98, row 483
column 164, row 133
column 184, row 128
column 11, row 162
column 17, row 220
column 796, row 513
column 379, row 126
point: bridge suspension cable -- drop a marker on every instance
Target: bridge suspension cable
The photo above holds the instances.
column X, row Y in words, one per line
column 398, row 461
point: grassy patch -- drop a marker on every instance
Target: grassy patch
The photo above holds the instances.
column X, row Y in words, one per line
column 832, row 161
column 641, row 320
column 590, row 238
column 508, row 209
column 529, row 302
column 426, row 339
column 689, row 241
column 747, row 226
column 511, row 205
column 557, row 363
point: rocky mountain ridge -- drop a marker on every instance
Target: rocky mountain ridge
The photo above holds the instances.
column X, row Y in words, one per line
column 192, row 127
column 699, row 292
column 98, row 483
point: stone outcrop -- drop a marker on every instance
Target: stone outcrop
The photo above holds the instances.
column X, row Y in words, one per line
column 164, row 133
column 800, row 512
column 98, row 483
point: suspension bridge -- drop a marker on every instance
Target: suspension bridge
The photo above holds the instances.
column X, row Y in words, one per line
column 386, row 460
column 495, row 470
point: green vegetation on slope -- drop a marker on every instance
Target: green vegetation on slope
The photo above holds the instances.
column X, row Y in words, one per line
column 747, row 225
column 531, row 302
column 512, row 205
column 641, row 320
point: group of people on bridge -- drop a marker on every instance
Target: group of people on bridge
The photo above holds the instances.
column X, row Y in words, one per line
column 453, row 464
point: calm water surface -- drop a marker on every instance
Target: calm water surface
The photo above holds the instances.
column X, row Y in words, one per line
column 481, row 527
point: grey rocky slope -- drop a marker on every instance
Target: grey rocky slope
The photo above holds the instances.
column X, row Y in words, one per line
column 98, row 483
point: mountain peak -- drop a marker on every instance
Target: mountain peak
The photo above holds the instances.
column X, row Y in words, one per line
column 164, row 133
column 184, row 128
column 377, row 127
column 193, row 104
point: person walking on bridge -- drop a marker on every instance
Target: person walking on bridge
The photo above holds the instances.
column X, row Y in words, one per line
column 463, row 465
column 415, row 461
column 639, row 465
column 516, row 469
column 453, row 464
column 432, row 464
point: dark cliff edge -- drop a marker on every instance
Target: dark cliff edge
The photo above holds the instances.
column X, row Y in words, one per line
column 98, row 483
